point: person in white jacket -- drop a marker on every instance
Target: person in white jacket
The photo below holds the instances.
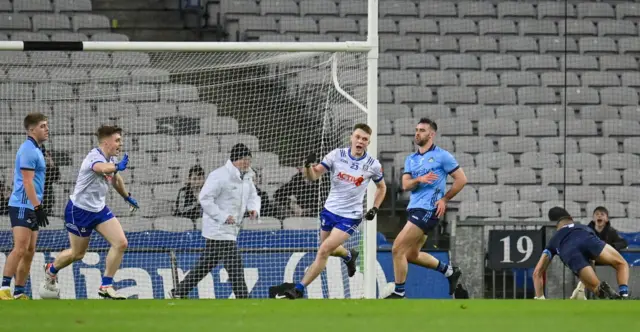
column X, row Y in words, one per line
column 227, row 195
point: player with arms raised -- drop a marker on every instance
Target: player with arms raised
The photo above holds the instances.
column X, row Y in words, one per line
column 577, row 245
column 87, row 210
column 351, row 170
column 25, row 206
column 425, row 175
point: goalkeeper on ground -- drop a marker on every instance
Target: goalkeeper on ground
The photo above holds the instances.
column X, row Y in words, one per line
column 576, row 245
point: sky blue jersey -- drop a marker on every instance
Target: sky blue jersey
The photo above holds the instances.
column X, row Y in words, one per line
column 28, row 157
column 438, row 160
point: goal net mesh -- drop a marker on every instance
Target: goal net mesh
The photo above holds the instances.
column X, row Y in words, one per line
column 179, row 111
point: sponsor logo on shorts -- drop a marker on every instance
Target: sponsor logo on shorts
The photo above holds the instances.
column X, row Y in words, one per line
column 72, row 227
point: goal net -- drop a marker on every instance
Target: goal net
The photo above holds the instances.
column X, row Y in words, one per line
column 182, row 112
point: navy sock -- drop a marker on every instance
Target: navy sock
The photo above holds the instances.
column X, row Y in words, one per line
column 6, row 281
column 624, row 289
column 300, row 287
column 442, row 267
column 18, row 290
column 107, row 281
column 399, row 288
column 347, row 258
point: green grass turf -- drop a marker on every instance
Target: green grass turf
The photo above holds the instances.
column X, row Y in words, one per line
column 320, row 315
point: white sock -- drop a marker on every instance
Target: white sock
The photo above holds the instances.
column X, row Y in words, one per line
column 4, row 287
column 449, row 271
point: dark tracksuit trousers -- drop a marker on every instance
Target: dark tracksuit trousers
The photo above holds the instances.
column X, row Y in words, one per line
column 217, row 251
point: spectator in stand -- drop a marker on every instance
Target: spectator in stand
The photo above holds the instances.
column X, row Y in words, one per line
column 187, row 204
column 52, row 175
column 297, row 198
column 601, row 226
column 265, row 204
column 5, row 193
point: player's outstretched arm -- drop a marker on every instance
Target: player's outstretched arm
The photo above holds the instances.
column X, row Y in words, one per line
column 314, row 172
column 539, row 272
column 108, row 168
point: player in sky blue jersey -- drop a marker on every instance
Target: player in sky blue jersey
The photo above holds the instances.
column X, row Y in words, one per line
column 578, row 245
column 425, row 175
column 25, row 206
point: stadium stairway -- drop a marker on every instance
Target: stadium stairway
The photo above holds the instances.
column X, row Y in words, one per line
column 147, row 20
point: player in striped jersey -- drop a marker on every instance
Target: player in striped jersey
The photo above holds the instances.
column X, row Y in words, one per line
column 351, row 170
column 87, row 210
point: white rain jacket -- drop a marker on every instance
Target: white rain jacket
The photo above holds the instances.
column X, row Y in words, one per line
column 226, row 194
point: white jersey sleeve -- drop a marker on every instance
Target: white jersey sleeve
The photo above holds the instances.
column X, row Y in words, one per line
column 90, row 192
column 349, row 180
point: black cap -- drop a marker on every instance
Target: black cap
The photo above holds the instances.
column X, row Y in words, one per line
column 239, row 151
column 557, row 213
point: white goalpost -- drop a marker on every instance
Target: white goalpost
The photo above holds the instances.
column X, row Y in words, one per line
column 185, row 104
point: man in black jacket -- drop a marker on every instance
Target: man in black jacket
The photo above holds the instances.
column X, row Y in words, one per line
column 187, row 204
column 600, row 224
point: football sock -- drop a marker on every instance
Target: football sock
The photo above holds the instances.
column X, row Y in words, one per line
column 300, row 287
column 107, row 281
column 347, row 258
column 399, row 289
column 52, row 269
column 6, row 281
column 18, row 290
column 624, row 290
column 445, row 269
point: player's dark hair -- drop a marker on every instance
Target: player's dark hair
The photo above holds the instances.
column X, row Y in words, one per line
column 601, row 209
column 32, row 119
column 362, row 126
column 429, row 122
column 106, row 131
column 196, row 170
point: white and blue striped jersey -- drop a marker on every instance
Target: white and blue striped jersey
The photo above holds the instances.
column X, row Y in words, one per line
column 90, row 192
column 350, row 177
column 436, row 160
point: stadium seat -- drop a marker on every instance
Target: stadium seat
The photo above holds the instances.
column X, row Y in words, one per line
column 438, row 45
column 558, row 145
column 593, row 10
column 557, row 45
column 519, row 209
column 29, row 36
column 417, row 27
column 397, row 9
column 454, row 126
column 436, row 9
column 418, row 61
column 536, row 193
column 477, row 78
column 614, row 127
column 72, row 5
column 517, row 144
column 558, row 80
column 477, row 209
column 518, row 79
column 263, row 223
column 620, row 161
column 300, row 223
column 318, row 8
column 515, row 10
column 468, row 193
column 601, row 177
column 537, row 127
column 499, row 62
column 473, row 144
column 581, row 160
column 631, row 145
column 634, row 210
column 497, row 193
column 476, row 10
column 435, row 112
column 352, row 8
column 539, row 160
column 578, row 128
column 494, row 160
column 599, row 113
column 50, row 23
column 515, row 113
column 537, row 28
column 497, row 127
column 572, row 207
column 583, row 193
column 480, row 175
column 438, row 78
column 516, row 175
column 598, row 145
column 556, row 10
column 475, row 112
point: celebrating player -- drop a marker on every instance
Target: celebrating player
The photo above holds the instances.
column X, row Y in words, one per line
column 425, row 175
column 87, row 210
column 25, row 206
column 576, row 245
column 351, row 170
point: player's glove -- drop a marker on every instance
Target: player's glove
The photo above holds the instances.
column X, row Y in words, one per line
column 133, row 204
column 41, row 216
column 311, row 158
column 122, row 165
column 371, row 213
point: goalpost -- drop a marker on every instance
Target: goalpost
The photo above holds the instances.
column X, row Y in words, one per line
column 183, row 104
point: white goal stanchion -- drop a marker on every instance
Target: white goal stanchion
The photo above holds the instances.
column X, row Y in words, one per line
column 186, row 104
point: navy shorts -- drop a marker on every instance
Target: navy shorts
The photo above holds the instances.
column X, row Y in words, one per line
column 329, row 221
column 578, row 254
column 425, row 219
column 82, row 222
column 23, row 217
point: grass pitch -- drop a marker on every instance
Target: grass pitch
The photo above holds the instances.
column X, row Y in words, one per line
column 319, row 315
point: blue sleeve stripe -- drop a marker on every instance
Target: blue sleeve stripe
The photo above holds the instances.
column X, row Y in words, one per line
column 406, row 173
column 325, row 165
column 453, row 170
column 548, row 253
column 378, row 180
